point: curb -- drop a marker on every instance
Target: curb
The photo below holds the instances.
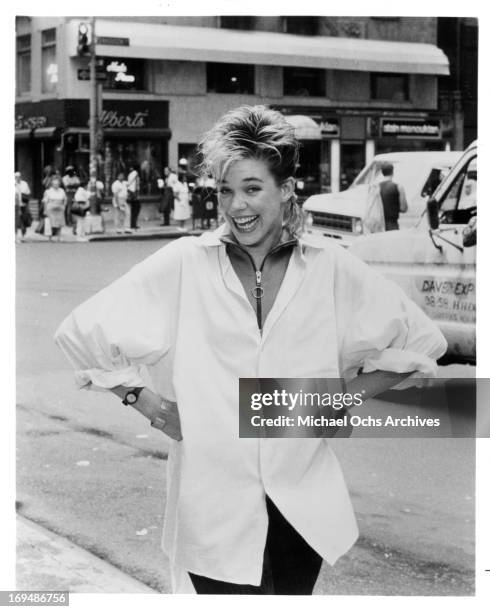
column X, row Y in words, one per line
column 141, row 236
column 149, row 234
column 47, row 561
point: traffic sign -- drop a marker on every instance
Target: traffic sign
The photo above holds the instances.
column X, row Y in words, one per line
column 84, row 74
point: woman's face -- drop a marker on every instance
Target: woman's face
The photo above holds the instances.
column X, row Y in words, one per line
column 55, row 183
column 253, row 203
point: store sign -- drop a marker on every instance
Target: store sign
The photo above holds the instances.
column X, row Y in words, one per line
column 330, row 128
column 400, row 128
column 114, row 119
column 111, row 40
column 124, row 114
column 30, row 123
column 121, row 72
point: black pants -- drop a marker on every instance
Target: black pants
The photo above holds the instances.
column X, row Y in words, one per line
column 135, row 211
column 291, row 566
column 166, row 216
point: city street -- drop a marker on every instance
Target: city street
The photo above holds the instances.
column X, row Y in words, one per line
column 93, row 470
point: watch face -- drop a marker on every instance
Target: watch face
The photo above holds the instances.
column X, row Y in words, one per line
column 131, row 397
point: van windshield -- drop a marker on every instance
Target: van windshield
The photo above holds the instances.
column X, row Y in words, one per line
column 402, row 173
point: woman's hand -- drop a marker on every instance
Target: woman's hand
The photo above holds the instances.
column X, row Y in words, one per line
column 166, row 418
column 162, row 414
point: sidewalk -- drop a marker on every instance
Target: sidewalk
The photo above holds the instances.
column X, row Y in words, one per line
column 47, row 561
column 148, row 230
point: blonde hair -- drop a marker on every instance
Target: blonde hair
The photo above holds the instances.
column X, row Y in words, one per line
column 254, row 132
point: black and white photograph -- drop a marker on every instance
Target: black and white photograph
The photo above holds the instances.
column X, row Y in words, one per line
column 207, row 203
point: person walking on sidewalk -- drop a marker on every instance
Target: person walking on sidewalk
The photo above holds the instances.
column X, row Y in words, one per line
column 23, row 218
column 120, row 203
column 182, row 210
column 167, row 196
column 251, row 299
column 80, row 208
column 70, row 182
column 134, row 196
column 54, row 201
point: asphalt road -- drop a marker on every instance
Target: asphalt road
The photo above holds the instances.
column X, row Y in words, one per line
column 94, row 471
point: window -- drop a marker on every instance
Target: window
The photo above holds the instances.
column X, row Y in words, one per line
column 23, row 67
column 127, row 74
column 391, row 87
column 49, row 80
column 230, row 78
column 459, row 204
column 237, row 22
column 306, row 26
column 304, row 81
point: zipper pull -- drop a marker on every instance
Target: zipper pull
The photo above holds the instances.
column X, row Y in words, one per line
column 258, row 290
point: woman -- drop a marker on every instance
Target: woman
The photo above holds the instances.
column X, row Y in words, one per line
column 119, row 190
column 182, row 210
column 54, row 201
column 247, row 300
column 79, row 208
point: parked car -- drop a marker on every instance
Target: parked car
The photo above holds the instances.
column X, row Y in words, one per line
column 340, row 215
column 437, row 267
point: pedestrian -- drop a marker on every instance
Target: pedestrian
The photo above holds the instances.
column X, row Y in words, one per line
column 80, row 208
column 70, row 182
column 167, row 196
column 182, row 210
column 23, row 218
column 248, row 516
column 120, row 203
column 392, row 196
column 134, row 196
column 54, row 203
column 210, row 202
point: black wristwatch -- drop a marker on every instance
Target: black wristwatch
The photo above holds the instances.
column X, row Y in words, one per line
column 132, row 395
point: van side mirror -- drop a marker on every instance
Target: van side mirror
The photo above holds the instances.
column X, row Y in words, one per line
column 433, row 214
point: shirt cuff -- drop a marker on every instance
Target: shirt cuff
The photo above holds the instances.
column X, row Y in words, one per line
column 401, row 361
column 97, row 379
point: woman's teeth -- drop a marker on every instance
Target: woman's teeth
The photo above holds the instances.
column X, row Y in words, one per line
column 246, row 224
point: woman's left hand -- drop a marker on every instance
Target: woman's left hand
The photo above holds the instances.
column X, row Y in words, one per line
column 166, row 419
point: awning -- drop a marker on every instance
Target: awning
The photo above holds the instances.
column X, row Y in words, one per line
column 154, row 133
column 46, row 133
column 305, row 128
column 157, row 41
column 24, row 134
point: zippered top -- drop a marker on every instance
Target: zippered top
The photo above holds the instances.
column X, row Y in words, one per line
column 258, row 290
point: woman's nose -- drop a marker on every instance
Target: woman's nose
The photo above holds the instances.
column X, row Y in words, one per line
column 238, row 203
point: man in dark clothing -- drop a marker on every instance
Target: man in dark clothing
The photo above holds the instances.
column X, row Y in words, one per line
column 393, row 198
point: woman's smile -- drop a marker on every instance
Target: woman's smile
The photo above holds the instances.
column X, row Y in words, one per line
column 247, row 223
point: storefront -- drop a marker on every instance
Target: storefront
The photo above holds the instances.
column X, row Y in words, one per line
column 55, row 133
column 336, row 145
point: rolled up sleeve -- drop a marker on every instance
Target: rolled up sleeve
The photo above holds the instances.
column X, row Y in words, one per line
column 381, row 328
column 128, row 324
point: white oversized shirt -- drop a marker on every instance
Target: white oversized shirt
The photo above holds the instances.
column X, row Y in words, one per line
column 184, row 314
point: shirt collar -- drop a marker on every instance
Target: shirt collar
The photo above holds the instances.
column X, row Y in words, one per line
column 221, row 235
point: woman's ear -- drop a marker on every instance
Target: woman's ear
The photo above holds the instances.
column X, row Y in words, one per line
column 287, row 188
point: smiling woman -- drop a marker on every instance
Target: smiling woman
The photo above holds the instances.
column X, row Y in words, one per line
column 251, row 299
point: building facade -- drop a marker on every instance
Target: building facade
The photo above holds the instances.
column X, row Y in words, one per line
column 352, row 87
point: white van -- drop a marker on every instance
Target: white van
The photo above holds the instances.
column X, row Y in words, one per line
column 437, row 267
column 340, row 215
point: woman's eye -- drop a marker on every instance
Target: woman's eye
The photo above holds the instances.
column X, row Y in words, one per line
column 253, row 189
column 224, row 191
